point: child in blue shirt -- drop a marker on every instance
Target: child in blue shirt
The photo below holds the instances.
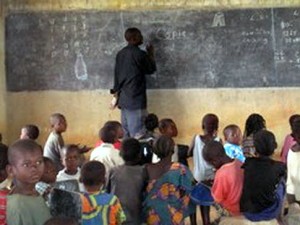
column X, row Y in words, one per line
column 233, row 138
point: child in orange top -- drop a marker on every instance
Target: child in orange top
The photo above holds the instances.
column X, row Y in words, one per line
column 228, row 183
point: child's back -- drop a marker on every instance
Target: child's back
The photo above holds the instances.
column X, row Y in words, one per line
column 30, row 131
column 228, row 182
column 106, row 153
column 289, row 140
column 202, row 169
column 128, row 181
column 262, row 194
column 168, row 128
column 98, row 207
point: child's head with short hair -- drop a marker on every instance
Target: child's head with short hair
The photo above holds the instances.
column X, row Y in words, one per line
column 164, row 146
column 71, row 158
column 58, row 122
column 92, row 175
column 151, row 122
column 61, row 221
column 214, row 153
column 254, row 123
column 232, row 134
column 3, row 162
column 50, row 171
column 30, row 131
column 117, row 126
column 296, row 130
column 168, row 127
column 293, row 118
column 210, row 124
column 133, row 36
column 264, row 142
column 108, row 134
column 26, row 163
column 131, row 151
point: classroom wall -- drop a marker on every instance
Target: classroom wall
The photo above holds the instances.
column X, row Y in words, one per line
column 86, row 111
column 3, row 101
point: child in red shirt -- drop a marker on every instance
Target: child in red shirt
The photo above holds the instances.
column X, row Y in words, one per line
column 228, row 183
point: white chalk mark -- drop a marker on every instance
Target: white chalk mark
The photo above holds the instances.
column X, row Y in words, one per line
column 122, row 25
column 219, row 20
column 80, row 68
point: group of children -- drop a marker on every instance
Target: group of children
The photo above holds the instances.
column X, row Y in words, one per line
column 146, row 179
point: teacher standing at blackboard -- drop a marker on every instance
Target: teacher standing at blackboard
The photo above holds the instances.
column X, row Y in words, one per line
column 132, row 64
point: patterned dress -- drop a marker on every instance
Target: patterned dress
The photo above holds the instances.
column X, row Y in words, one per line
column 168, row 198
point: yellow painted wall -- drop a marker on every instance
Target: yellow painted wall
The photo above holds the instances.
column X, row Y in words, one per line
column 86, row 111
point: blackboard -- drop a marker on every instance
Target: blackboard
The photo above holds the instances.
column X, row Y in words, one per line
column 75, row 50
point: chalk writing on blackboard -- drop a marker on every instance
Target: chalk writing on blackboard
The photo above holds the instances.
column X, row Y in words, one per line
column 75, row 50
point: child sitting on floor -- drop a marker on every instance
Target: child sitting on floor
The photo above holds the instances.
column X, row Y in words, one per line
column 47, row 180
column 98, row 207
column 168, row 128
column 233, row 140
column 147, row 137
column 167, row 198
column 228, row 183
column 289, row 140
column 30, row 131
column 129, row 191
column 117, row 126
column 264, row 181
column 106, row 152
column 71, row 159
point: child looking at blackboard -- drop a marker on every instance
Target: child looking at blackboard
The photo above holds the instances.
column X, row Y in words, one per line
column 168, row 128
column 30, row 131
column 254, row 123
column 228, row 183
column 98, row 207
column 55, row 141
column 117, row 126
column 289, row 140
column 202, row 169
column 106, row 152
column 264, row 181
column 129, row 191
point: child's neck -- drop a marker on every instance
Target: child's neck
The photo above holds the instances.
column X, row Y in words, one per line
column 57, row 132
column 23, row 189
column 132, row 163
column 94, row 188
column 71, row 172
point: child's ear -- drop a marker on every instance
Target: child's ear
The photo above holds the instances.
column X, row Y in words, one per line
column 9, row 170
